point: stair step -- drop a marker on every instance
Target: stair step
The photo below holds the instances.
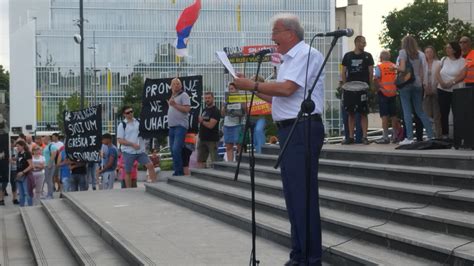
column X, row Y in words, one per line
column 389, row 155
column 47, row 245
column 167, row 234
column 449, row 198
column 436, row 218
column 121, row 245
column 277, row 228
column 88, row 247
column 343, row 218
column 396, row 172
column 14, row 244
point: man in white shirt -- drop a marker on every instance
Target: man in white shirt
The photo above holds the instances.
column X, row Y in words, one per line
column 286, row 95
column 132, row 145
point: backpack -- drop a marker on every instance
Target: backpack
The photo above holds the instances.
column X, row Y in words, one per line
column 406, row 77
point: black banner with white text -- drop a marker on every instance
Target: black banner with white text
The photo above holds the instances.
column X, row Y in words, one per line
column 156, row 92
column 83, row 134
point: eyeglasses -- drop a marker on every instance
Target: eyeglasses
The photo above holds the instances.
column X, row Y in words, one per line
column 274, row 32
column 129, row 112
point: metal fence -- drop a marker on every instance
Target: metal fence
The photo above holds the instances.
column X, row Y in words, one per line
column 136, row 37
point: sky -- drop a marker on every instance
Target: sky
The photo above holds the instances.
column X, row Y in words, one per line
column 371, row 24
column 4, row 43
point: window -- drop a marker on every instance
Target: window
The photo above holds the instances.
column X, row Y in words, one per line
column 164, row 49
column 95, row 79
column 123, row 80
column 54, row 78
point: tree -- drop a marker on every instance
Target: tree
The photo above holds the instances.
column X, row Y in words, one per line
column 4, row 82
column 428, row 22
column 133, row 94
column 73, row 103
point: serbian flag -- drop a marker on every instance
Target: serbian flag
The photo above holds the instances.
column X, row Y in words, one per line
column 184, row 25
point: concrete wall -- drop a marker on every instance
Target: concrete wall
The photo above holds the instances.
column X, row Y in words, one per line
column 23, row 77
column 461, row 9
column 349, row 17
column 25, row 16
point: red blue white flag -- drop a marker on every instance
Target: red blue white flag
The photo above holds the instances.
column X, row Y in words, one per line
column 184, row 25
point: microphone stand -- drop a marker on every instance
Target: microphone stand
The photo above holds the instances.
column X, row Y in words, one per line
column 247, row 128
column 307, row 107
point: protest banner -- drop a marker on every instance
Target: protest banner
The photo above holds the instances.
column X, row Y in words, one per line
column 156, row 92
column 83, row 130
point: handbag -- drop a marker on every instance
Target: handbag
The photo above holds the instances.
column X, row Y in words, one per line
column 405, row 77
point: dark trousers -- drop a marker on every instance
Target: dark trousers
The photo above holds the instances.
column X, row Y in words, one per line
column 294, row 187
column 445, row 101
column 358, row 126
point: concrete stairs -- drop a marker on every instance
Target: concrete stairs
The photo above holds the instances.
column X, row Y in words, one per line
column 427, row 196
column 60, row 236
column 122, row 227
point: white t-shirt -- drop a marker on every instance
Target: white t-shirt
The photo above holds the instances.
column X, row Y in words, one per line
column 38, row 160
column 450, row 69
column 130, row 134
column 293, row 68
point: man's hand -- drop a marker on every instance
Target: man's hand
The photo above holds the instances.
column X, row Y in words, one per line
column 244, row 84
column 200, row 119
column 136, row 146
column 171, row 102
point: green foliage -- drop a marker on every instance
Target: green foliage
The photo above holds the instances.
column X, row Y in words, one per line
column 5, row 82
column 4, row 79
column 428, row 22
column 73, row 103
column 133, row 95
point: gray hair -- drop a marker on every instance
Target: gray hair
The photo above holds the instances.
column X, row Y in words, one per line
column 290, row 22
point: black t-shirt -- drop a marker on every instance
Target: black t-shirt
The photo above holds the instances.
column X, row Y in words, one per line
column 22, row 161
column 80, row 169
column 205, row 133
column 358, row 66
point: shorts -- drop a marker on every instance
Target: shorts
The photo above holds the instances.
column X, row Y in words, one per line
column 186, row 155
column 129, row 158
column 206, row 148
column 387, row 105
column 355, row 102
column 231, row 134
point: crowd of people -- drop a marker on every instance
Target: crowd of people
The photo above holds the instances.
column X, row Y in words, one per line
column 427, row 96
column 41, row 167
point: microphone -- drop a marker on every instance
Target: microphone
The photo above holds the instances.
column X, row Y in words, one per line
column 264, row 52
column 337, row 33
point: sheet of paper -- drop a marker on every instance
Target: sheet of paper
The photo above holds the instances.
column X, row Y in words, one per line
column 222, row 56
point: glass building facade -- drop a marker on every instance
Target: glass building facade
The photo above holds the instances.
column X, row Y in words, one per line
column 127, row 37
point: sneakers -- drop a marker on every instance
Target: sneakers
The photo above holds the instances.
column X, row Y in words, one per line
column 365, row 141
column 347, row 141
column 406, row 142
column 16, row 202
column 2, row 203
column 383, row 141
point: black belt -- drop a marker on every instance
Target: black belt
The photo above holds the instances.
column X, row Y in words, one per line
column 289, row 122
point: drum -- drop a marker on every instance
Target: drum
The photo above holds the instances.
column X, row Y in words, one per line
column 354, row 97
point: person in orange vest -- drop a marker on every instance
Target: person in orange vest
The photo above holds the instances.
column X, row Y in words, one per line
column 188, row 149
column 468, row 54
column 384, row 80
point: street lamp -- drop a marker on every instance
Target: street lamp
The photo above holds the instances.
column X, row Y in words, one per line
column 79, row 39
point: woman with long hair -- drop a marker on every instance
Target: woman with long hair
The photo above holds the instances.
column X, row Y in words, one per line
column 24, row 165
column 412, row 93
column 430, row 85
column 447, row 76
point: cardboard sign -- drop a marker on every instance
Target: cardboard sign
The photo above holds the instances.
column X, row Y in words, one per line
column 83, row 134
column 156, row 92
